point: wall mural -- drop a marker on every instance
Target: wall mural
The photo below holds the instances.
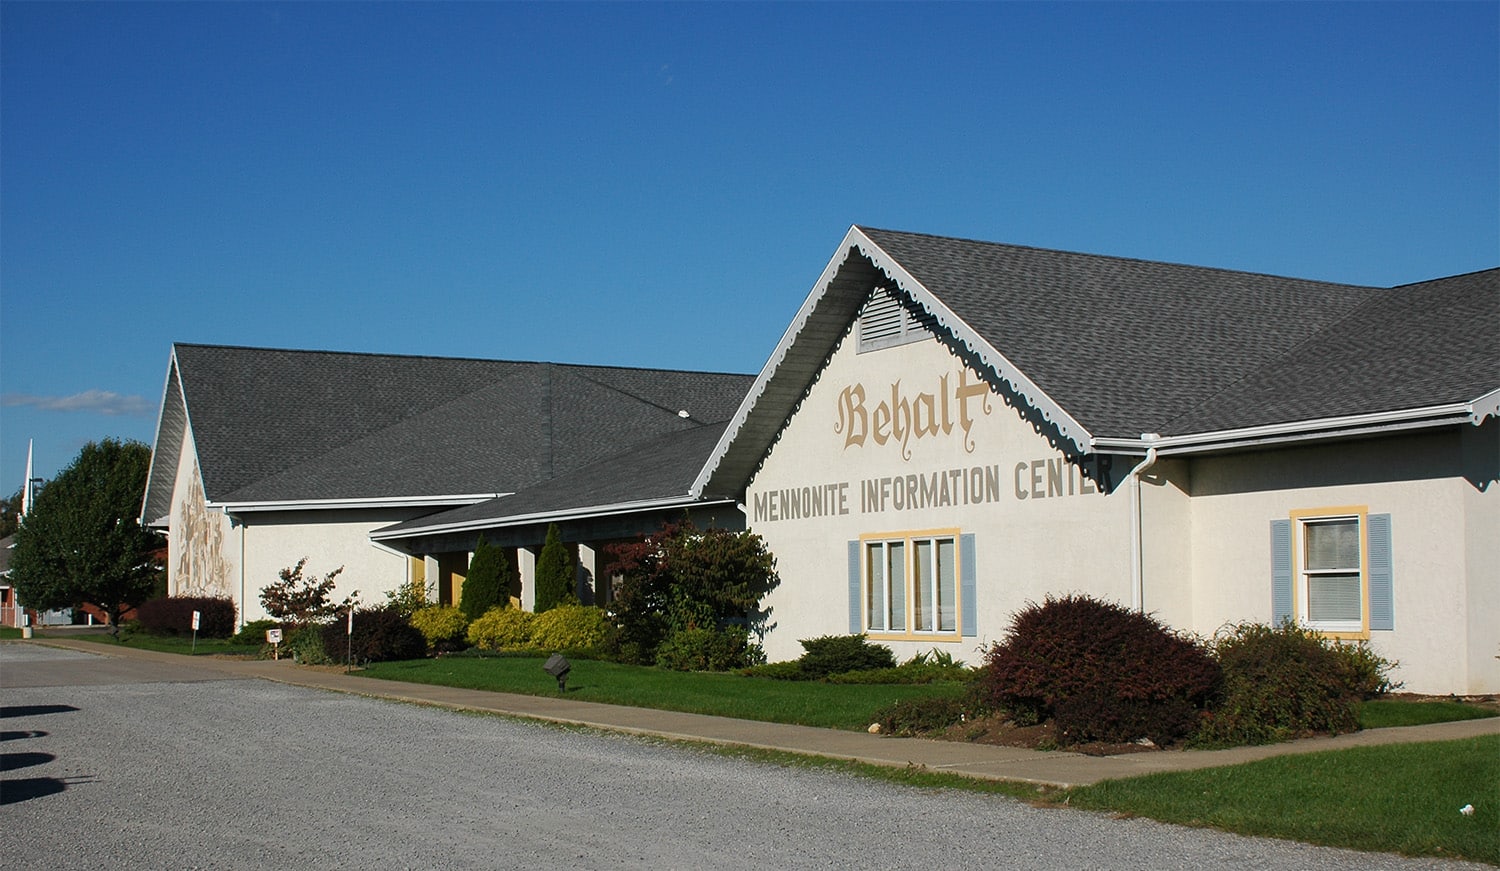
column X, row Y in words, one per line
column 202, row 569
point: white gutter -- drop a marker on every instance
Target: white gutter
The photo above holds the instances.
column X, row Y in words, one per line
column 1306, row 430
column 455, row 501
column 585, row 513
column 1137, row 548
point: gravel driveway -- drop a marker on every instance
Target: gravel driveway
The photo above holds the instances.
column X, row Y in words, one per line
column 250, row 774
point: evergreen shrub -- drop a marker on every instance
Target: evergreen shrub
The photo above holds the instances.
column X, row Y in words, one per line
column 502, row 629
column 174, row 616
column 254, row 632
column 488, row 582
column 1101, row 671
column 708, row 650
column 380, row 635
column 1287, row 682
column 836, row 654
column 443, row 626
column 924, row 668
column 555, row 577
column 570, row 627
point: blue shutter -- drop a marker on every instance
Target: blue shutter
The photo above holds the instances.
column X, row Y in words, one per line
column 1380, row 573
column 856, row 625
column 967, row 597
column 1281, row 571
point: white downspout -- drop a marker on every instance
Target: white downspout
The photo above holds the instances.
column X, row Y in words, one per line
column 1137, row 549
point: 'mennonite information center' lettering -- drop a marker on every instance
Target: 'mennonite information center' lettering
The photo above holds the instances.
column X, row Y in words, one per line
column 899, row 420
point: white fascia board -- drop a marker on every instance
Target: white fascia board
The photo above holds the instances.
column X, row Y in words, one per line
column 1306, row 430
column 1485, row 407
column 166, row 391
column 852, row 240
column 1003, row 368
column 455, row 501
column 583, row 513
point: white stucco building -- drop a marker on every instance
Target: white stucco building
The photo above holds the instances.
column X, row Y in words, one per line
column 947, row 430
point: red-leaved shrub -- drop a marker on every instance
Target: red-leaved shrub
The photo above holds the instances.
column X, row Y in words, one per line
column 1101, row 671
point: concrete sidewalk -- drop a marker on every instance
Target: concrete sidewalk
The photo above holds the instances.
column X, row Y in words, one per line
column 1043, row 768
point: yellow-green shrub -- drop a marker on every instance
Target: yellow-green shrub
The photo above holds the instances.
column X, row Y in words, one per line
column 440, row 624
column 501, row 629
column 570, row 627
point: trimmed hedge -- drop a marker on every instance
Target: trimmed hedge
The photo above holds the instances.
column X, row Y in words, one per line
column 443, row 626
column 174, row 616
column 502, row 629
column 570, row 627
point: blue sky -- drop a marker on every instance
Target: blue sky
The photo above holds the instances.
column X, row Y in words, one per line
column 660, row 185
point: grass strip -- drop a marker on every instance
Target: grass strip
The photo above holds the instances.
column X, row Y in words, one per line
column 1385, row 713
column 831, row 706
column 1400, row 798
column 182, row 644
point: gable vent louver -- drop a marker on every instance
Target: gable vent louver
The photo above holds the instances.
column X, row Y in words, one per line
column 885, row 321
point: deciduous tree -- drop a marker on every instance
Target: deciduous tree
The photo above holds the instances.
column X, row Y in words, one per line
column 82, row 541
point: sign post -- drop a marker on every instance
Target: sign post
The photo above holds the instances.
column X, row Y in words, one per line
column 273, row 638
column 197, row 616
column 349, row 642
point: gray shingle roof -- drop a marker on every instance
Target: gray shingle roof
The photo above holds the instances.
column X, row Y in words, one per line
column 277, row 425
column 1124, row 345
column 661, row 468
column 1415, row 346
column 1114, row 348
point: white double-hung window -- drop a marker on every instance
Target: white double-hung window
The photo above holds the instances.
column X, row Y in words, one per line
column 1332, row 582
column 910, row 584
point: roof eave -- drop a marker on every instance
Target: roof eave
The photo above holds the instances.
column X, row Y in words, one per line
column 1320, row 429
column 448, row 501
column 579, row 513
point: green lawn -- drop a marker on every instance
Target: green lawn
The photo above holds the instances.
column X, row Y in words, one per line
column 182, row 644
column 1382, row 713
column 9, row 632
column 835, row 706
column 1400, row 798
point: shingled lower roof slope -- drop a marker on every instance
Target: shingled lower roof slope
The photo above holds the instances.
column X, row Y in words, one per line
column 656, row 471
column 1124, row 345
column 299, row 426
column 1412, row 347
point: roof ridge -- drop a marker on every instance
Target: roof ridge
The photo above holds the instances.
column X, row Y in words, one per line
column 643, row 400
column 1119, row 259
column 434, row 357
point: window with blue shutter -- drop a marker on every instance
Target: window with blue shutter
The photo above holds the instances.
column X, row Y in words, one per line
column 1380, row 573
column 1281, row 571
column 967, row 595
column 856, row 626
column 1332, row 571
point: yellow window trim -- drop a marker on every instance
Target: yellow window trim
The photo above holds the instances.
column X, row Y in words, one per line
column 1299, row 517
column 908, row 536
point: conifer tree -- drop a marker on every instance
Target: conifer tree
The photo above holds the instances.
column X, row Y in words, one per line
column 488, row 582
column 554, row 572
